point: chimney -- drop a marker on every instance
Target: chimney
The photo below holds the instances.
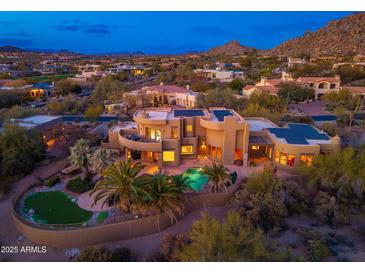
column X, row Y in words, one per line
column 187, row 87
column 338, row 77
column 263, row 80
column 161, row 84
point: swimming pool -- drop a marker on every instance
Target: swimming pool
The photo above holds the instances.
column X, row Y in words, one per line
column 196, row 179
column 54, row 207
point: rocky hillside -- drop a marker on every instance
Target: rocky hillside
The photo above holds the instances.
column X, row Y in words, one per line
column 231, row 48
column 339, row 37
column 10, row 49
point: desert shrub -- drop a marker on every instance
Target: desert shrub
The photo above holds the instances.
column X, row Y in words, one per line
column 94, row 254
column 296, row 119
column 296, row 198
column 328, row 212
column 318, row 251
column 263, row 183
column 78, row 185
column 171, row 245
column 330, row 129
column 50, row 182
column 101, row 254
column 122, row 254
column 268, row 213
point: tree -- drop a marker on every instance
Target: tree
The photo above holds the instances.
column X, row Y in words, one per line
column 217, row 174
column 218, row 98
column 345, row 105
column 65, row 86
column 350, row 73
column 236, row 84
column 263, row 183
column 19, row 150
column 295, row 93
column 164, row 196
column 108, row 89
column 92, row 113
column 100, row 160
column 122, row 184
column 341, row 174
column 232, row 240
column 81, row 157
column 8, row 99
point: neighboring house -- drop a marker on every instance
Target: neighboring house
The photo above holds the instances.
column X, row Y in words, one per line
column 41, row 90
column 170, row 95
column 167, row 137
column 321, row 85
column 51, row 127
column 221, row 75
column 292, row 61
column 135, row 70
column 356, row 90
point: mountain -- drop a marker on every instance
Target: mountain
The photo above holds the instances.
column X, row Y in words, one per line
column 231, row 48
column 10, row 49
column 339, row 37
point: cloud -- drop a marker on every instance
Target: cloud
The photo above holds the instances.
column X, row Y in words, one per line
column 76, row 25
column 19, row 33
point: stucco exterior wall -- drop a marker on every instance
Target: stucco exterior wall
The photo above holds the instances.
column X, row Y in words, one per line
column 78, row 237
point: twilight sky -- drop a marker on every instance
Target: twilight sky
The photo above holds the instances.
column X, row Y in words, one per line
column 154, row 32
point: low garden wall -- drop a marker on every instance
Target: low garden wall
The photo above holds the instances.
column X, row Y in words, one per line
column 76, row 237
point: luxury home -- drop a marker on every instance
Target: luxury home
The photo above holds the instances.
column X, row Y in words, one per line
column 167, row 137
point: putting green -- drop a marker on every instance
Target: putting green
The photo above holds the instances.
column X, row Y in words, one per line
column 55, row 207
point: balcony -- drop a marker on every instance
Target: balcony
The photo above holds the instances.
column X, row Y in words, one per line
column 135, row 142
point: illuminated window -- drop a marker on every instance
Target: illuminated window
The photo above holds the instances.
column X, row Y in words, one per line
column 154, row 134
column 168, row 156
column 255, row 147
column 187, row 149
column 173, row 132
column 282, row 159
column 277, row 156
column 189, row 128
column 291, row 160
column 306, row 159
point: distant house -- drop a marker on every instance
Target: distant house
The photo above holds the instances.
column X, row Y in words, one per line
column 292, row 61
column 321, row 85
column 160, row 95
column 51, row 127
column 41, row 90
column 221, row 75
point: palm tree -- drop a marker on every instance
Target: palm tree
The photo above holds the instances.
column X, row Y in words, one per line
column 81, row 156
column 121, row 182
column 165, row 196
column 100, row 160
column 217, row 173
column 181, row 181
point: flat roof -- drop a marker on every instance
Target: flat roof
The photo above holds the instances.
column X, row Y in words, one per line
column 221, row 113
column 37, row 119
column 259, row 124
column 188, row 112
column 299, row 134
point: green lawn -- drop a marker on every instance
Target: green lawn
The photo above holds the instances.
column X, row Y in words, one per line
column 55, row 207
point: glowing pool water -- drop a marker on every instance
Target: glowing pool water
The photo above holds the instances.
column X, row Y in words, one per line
column 196, row 179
